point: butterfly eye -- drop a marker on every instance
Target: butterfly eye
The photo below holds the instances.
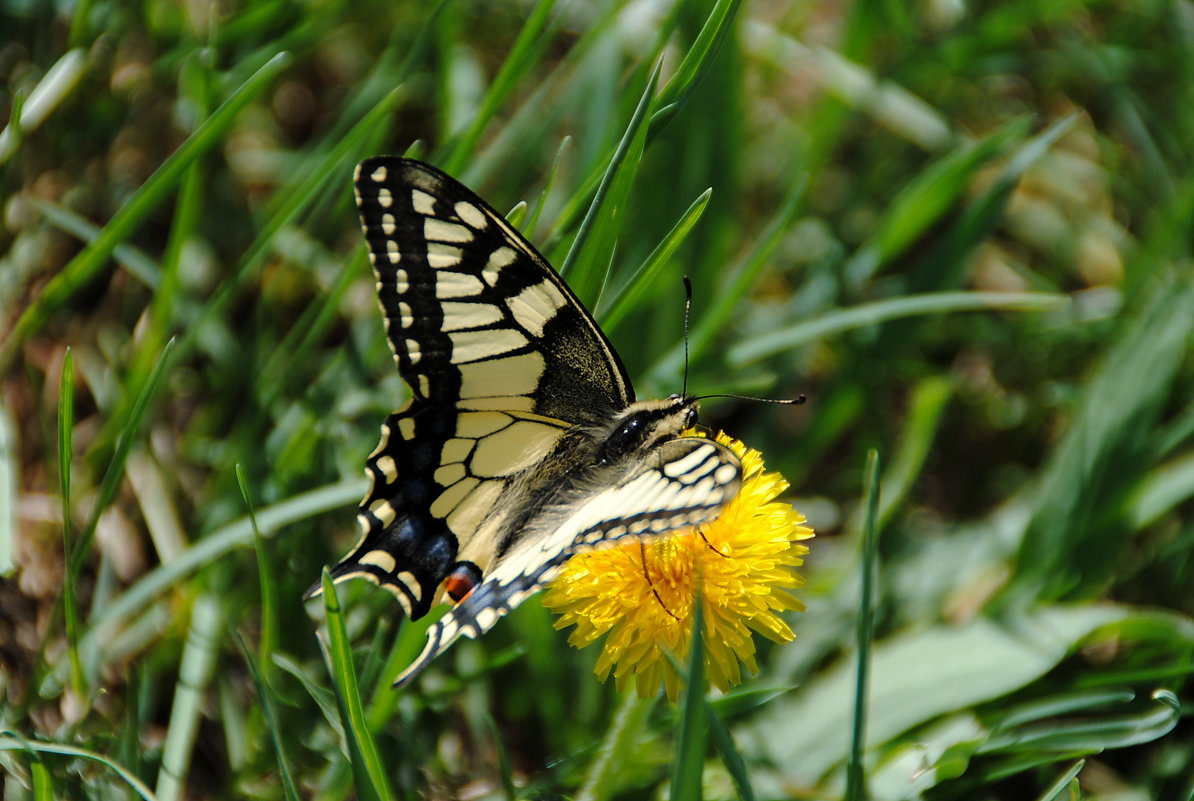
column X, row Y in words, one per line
column 690, row 417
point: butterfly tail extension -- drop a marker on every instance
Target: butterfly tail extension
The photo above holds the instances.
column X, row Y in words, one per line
column 480, row 611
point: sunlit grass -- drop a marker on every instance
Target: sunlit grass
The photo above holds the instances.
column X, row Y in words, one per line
column 962, row 231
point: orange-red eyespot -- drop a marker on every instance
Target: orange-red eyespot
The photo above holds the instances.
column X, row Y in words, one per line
column 461, row 581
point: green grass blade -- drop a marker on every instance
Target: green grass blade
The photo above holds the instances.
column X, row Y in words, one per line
column 324, row 698
column 932, row 194
column 505, row 770
column 81, row 269
column 43, row 786
column 237, row 534
column 412, row 636
column 836, row 322
column 588, row 261
column 946, row 266
column 924, row 417
column 712, row 321
column 289, row 788
column 70, row 601
column 10, row 467
column 627, row 297
column 548, row 183
column 1093, row 735
column 697, row 62
column 54, row 87
column 731, row 757
column 240, row 742
column 526, row 50
column 269, row 613
column 133, row 259
column 10, row 137
column 688, row 765
column 1063, row 547
column 516, row 215
column 370, row 776
column 195, row 671
column 1067, row 704
column 1161, row 491
column 868, row 568
column 618, row 748
column 1066, row 785
column 9, row 742
column 115, row 469
column 298, row 194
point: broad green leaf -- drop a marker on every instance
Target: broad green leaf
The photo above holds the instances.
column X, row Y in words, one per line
column 917, row 676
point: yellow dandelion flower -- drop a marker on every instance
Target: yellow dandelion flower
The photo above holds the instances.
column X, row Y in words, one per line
column 642, row 596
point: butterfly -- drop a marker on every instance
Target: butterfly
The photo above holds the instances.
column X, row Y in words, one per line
column 522, row 443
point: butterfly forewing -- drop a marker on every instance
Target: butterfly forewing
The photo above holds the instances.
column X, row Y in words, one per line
column 474, row 314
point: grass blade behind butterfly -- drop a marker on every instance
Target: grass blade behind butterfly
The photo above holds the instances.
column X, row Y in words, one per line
column 112, row 476
column 83, row 267
column 927, row 199
column 618, row 748
column 195, row 671
column 8, row 742
column 136, row 261
column 525, row 51
column 541, row 203
column 714, row 320
column 626, row 298
column 697, row 62
column 289, row 789
column 587, row 264
column 832, row 323
column 369, row 775
column 269, row 625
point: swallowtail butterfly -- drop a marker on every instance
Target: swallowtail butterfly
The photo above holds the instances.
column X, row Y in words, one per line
column 522, row 443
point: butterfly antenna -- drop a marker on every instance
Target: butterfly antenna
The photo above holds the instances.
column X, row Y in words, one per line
column 687, row 309
column 785, row 401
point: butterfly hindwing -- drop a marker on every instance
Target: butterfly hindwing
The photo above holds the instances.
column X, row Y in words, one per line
column 440, row 477
column 685, row 483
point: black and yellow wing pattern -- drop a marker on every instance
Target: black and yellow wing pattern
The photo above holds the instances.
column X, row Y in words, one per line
column 521, row 443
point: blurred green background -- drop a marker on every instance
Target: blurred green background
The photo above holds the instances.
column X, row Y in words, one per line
column 962, row 229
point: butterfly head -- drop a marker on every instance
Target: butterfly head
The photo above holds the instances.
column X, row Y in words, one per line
column 644, row 424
